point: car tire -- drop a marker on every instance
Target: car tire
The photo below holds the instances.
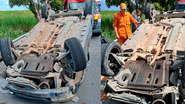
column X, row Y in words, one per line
column 88, row 7
column 96, row 32
column 89, row 10
column 111, row 47
column 77, row 54
column 149, row 11
column 8, row 56
column 45, row 10
column 103, row 46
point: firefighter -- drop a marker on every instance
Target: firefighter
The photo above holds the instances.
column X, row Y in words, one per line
column 121, row 24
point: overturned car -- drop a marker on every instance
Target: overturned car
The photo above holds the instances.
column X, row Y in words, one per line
column 149, row 68
column 49, row 62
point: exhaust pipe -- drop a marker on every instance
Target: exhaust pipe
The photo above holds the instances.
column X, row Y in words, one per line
column 44, row 85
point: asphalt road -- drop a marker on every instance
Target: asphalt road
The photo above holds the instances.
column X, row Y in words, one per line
column 88, row 92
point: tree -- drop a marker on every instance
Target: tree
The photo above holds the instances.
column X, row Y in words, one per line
column 139, row 4
column 129, row 3
column 160, row 5
column 36, row 11
column 143, row 6
column 164, row 5
column 56, row 4
column 35, row 5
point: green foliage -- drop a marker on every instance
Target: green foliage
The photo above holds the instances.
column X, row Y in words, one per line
column 13, row 3
column 164, row 5
column 55, row 4
column 158, row 7
column 161, row 5
column 127, row 2
column 115, row 2
column 16, row 23
column 107, row 24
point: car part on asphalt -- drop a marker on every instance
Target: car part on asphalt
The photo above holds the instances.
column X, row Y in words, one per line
column 49, row 62
column 104, row 40
column 96, row 31
column 152, row 62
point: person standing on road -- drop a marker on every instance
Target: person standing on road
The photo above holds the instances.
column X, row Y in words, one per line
column 136, row 17
column 121, row 24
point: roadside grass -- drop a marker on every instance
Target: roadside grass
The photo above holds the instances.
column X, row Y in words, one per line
column 16, row 23
column 107, row 29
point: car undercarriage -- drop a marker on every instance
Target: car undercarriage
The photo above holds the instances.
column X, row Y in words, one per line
column 49, row 62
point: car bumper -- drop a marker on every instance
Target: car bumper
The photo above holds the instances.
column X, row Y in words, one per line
column 55, row 95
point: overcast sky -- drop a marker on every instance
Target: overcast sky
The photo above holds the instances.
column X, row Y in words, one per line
column 4, row 5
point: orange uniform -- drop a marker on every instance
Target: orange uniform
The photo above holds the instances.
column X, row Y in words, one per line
column 122, row 22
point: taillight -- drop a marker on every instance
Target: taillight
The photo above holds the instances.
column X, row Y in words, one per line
column 96, row 16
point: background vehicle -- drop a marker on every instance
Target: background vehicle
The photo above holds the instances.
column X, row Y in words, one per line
column 99, row 4
column 75, row 4
column 49, row 62
column 180, row 5
column 149, row 68
column 97, row 14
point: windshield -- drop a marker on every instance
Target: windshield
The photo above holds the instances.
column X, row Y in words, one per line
column 95, row 9
column 99, row 5
column 180, row 7
column 76, row 5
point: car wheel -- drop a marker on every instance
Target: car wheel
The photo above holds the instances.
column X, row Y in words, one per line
column 89, row 10
column 8, row 56
column 45, row 10
column 88, row 7
column 109, row 67
column 76, row 58
column 149, row 11
column 103, row 46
